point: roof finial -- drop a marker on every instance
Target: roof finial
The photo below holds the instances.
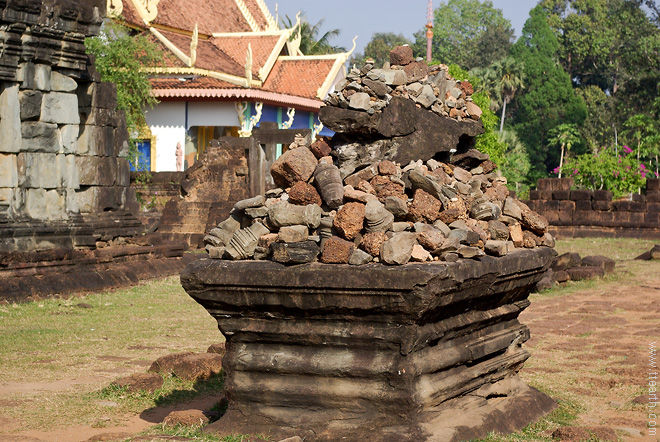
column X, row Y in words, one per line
column 193, row 47
column 248, row 66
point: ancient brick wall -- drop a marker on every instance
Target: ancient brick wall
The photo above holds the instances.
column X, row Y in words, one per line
column 63, row 144
column 219, row 178
column 582, row 213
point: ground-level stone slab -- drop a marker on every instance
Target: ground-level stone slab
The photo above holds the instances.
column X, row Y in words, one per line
column 421, row 352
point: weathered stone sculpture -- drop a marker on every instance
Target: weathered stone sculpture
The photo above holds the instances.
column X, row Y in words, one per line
column 372, row 342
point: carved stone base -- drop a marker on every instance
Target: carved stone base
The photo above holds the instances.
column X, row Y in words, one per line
column 421, row 352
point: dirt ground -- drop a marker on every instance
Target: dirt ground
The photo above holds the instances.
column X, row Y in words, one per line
column 590, row 347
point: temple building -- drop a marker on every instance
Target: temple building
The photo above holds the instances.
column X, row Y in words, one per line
column 227, row 68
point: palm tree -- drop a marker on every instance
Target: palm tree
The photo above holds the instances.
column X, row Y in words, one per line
column 564, row 135
column 501, row 80
column 310, row 42
column 509, row 75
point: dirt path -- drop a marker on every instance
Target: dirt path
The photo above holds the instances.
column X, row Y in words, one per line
column 590, row 347
column 594, row 346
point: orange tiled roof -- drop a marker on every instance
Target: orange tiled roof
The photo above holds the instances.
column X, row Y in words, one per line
column 300, row 77
column 209, row 55
column 169, row 59
column 130, row 15
column 236, row 48
column 256, row 12
column 210, row 16
column 190, row 83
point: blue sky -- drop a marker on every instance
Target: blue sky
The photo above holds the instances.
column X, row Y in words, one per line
column 364, row 17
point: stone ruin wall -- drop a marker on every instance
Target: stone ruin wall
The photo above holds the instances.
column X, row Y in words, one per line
column 63, row 144
column 587, row 213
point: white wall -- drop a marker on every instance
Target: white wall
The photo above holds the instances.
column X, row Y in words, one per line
column 212, row 114
column 166, row 121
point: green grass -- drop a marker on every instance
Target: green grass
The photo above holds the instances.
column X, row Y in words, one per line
column 618, row 249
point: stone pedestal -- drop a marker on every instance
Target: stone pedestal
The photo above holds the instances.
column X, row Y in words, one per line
column 421, row 352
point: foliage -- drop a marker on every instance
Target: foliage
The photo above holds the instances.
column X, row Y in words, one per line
column 468, row 33
column 612, row 45
column 487, row 142
column 516, row 165
column 311, row 40
column 563, row 136
column 120, row 59
column 549, row 99
column 379, row 48
column 502, row 80
column 610, row 169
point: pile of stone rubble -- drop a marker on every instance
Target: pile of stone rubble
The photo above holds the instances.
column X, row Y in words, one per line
column 370, row 89
column 422, row 212
column 364, row 197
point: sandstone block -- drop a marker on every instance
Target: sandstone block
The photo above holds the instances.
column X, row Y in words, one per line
column 34, row 76
column 293, row 234
column 396, row 206
column 384, row 187
column 566, row 261
column 30, row 102
column 295, row 253
column 140, row 382
column 585, row 272
column 337, row 250
column 40, row 137
column 516, row 234
column 45, row 204
column 189, row 418
column 420, row 254
column 359, row 257
column 62, row 83
column 498, row 230
column 360, row 101
column 431, row 239
column 8, row 166
column 512, row 209
column 96, row 171
column 40, row 170
column 10, row 120
column 282, row 214
column 398, row 249
column 60, row 108
column 605, row 263
column 469, row 252
column 294, row 165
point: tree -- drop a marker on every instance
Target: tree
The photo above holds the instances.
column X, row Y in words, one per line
column 467, row 33
column 120, row 59
column 310, row 42
column 487, row 142
column 548, row 99
column 504, row 78
column 564, row 135
column 379, row 48
column 516, row 164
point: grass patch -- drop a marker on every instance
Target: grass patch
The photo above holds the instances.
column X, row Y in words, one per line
column 57, row 354
column 174, row 390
